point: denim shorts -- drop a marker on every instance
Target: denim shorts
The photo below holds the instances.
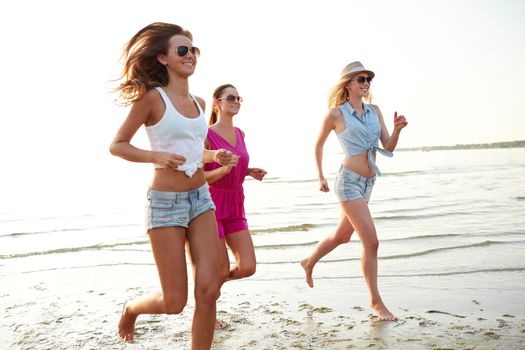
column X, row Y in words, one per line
column 168, row 209
column 350, row 186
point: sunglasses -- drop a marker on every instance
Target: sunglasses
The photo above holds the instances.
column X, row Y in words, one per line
column 183, row 50
column 361, row 79
column 231, row 98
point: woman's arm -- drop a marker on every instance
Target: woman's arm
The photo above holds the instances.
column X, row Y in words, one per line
column 256, row 173
column 328, row 125
column 388, row 141
column 217, row 174
column 141, row 112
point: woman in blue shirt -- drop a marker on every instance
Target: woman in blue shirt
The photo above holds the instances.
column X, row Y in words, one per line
column 359, row 127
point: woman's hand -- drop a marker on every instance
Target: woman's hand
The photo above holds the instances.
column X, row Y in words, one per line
column 257, row 173
column 399, row 122
column 168, row 160
column 225, row 157
column 225, row 169
column 323, row 185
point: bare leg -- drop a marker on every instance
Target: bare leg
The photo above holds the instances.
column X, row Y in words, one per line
column 224, row 273
column 168, row 250
column 241, row 245
column 342, row 234
column 204, row 250
column 224, row 261
column 359, row 215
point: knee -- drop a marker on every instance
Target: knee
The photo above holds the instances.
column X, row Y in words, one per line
column 247, row 269
column 206, row 294
column 174, row 306
column 344, row 238
column 372, row 245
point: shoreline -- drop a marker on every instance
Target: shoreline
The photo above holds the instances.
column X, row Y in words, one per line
column 263, row 313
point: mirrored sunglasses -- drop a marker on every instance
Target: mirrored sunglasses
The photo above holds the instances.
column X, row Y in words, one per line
column 183, row 50
column 231, row 98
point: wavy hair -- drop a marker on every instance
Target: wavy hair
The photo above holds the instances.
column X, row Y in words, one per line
column 142, row 71
column 339, row 94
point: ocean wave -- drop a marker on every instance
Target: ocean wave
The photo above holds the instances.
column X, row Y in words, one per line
column 68, row 229
column 404, row 239
column 463, row 235
column 310, row 180
column 400, row 198
column 286, row 245
column 430, row 274
column 428, row 207
column 72, row 249
column 409, row 255
column 466, row 272
column 291, row 228
column 290, row 180
column 295, row 228
column 421, row 216
column 89, row 267
column 50, row 218
column 407, row 173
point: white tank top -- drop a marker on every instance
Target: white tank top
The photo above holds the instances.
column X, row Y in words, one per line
column 178, row 134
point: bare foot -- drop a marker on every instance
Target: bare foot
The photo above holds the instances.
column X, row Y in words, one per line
column 382, row 313
column 308, row 271
column 220, row 325
column 126, row 325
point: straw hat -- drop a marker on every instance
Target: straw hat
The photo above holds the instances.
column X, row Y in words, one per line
column 354, row 68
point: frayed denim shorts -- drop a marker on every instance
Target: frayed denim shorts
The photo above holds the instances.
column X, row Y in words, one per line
column 350, row 186
column 168, row 209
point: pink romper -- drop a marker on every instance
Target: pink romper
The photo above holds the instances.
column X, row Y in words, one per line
column 227, row 193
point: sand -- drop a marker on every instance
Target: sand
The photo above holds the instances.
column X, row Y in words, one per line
column 79, row 309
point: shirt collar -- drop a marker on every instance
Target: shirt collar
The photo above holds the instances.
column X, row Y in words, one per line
column 366, row 109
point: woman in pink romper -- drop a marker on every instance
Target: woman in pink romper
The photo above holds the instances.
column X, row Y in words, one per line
column 225, row 183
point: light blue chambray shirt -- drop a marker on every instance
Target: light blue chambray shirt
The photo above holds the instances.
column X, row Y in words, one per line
column 361, row 134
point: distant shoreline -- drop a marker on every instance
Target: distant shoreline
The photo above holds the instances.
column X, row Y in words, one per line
column 507, row 144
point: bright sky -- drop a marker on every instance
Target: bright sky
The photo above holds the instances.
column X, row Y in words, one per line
column 454, row 68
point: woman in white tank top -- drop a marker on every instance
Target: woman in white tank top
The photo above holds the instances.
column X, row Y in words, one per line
column 159, row 59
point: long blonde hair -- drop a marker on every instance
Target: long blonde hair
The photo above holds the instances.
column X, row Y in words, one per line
column 339, row 94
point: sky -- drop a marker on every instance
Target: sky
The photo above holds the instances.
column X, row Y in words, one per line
column 453, row 68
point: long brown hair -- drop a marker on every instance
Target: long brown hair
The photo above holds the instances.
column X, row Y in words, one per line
column 217, row 94
column 142, row 71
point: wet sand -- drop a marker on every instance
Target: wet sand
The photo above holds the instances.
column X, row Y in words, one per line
column 80, row 309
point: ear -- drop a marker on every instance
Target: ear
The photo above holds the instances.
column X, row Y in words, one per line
column 162, row 59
